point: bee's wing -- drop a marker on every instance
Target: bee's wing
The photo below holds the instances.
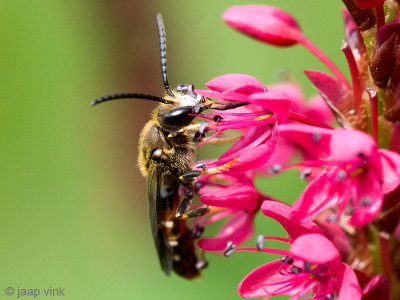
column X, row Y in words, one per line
column 154, row 184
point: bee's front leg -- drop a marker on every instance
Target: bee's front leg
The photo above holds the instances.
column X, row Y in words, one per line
column 183, row 210
column 185, row 204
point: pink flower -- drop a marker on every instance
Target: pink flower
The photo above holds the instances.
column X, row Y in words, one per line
column 314, row 109
column 274, row 26
column 264, row 22
column 313, row 264
column 239, row 201
column 282, row 214
column 259, row 120
column 357, row 177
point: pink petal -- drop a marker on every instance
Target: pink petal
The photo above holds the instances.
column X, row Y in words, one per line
column 329, row 87
column 323, row 192
column 237, row 230
column 251, row 156
column 255, row 158
column 230, row 96
column 318, row 110
column 366, row 4
column 281, row 213
column 292, row 92
column 315, row 140
column 347, row 285
column 267, row 281
column 250, row 136
column 232, row 81
column 356, row 143
column 315, row 248
column 390, row 169
column 281, row 157
column 276, row 102
column 242, row 197
column 266, row 23
column 368, row 199
column 335, row 233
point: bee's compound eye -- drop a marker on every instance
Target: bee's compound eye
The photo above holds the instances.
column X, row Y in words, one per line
column 178, row 117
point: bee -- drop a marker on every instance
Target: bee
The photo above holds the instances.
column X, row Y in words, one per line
column 166, row 157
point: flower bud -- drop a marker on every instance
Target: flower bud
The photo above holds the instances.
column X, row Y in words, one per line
column 265, row 23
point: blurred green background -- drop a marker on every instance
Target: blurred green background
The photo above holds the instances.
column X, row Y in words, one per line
column 73, row 207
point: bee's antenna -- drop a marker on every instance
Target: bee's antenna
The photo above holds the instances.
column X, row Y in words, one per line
column 129, row 95
column 163, row 52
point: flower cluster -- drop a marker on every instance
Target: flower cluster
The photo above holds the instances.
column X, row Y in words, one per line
column 344, row 229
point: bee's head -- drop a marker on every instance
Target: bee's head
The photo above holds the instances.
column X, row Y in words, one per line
column 181, row 108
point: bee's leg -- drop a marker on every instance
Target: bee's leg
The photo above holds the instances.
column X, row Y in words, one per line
column 197, row 212
column 183, row 210
column 185, row 129
column 215, row 170
column 185, row 204
column 201, row 211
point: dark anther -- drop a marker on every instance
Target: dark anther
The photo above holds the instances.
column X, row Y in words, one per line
column 197, row 231
column 201, row 264
column 329, row 297
column 305, row 174
column 295, row 270
column 287, row 259
column 341, row 175
column 307, row 266
column 260, row 242
column 197, row 186
column 349, row 209
column 332, row 218
column 274, row 169
column 230, row 248
column 316, row 136
column 366, row 201
column 201, row 165
column 218, row 119
column 362, row 156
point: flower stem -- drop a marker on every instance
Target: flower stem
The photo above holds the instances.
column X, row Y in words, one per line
column 267, row 250
column 323, row 58
column 380, row 16
column 304, row 119
column 373, row 97
column 355, row 75
column 385, row 254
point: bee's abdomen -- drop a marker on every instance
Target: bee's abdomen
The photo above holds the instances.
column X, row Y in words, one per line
column 181, row 244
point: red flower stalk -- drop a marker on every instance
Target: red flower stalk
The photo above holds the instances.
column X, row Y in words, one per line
column 274, row 26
